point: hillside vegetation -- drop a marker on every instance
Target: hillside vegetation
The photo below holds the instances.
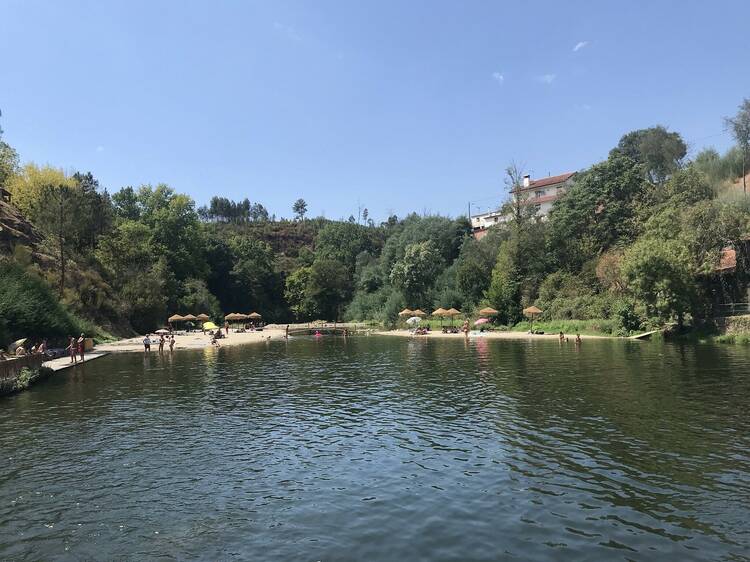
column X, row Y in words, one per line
column 635, row 242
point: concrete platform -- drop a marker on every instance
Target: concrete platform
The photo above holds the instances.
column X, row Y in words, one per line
column 62, row 363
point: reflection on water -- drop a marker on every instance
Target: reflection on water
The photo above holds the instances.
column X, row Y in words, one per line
column 384, row 449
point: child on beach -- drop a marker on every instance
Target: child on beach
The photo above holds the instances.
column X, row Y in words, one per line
column 72, row 348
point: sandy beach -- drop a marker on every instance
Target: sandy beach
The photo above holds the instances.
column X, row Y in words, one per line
column 488, row 335
column 193, row 340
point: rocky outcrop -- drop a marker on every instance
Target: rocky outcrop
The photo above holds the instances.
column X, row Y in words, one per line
column 15, row 229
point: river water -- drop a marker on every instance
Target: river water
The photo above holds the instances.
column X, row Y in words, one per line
column 384, row 449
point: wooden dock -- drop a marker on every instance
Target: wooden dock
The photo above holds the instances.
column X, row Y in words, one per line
column 62, row 363
column 644, row 335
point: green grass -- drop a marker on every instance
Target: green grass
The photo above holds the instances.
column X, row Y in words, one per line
column 740, row 339
column 597, row 327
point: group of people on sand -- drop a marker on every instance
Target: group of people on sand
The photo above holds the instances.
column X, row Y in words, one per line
column 163, row 339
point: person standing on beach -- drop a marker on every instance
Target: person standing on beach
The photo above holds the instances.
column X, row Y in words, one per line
column 81, row 346
column 161, row 343
column 171, row 344
column 146, row 344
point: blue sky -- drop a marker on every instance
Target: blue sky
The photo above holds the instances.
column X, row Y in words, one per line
column 394, row 105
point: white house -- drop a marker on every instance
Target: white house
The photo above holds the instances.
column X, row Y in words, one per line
column 541, row 193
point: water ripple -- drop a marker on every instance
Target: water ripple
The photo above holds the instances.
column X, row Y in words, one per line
column 384, row 449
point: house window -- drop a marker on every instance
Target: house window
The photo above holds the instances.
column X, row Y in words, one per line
column 539, row 193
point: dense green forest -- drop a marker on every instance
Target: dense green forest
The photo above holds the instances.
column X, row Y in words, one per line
column 636, row 242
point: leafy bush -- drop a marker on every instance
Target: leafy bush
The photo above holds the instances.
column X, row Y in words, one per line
column 28, row 307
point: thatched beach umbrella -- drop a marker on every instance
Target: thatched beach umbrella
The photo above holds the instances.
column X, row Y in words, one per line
column 419, row 313
column 231, row 317
column 452, row 313
column 531, row 312
column 203, row 317
column 255, row 316
column 175, row 318
column 488, row 312
column 440, row 313
column 189, row 318
column 406, row 312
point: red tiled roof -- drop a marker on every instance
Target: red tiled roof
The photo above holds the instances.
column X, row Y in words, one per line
column 727, row 260
column 552, row 180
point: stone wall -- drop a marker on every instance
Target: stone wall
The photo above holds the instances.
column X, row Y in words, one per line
column 733, row 324
column 12, row 376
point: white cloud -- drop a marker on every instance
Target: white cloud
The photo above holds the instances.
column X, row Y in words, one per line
column 499, row 78
column 580, row 45
column 287, row 31
column 547, row 78
column 100, row 148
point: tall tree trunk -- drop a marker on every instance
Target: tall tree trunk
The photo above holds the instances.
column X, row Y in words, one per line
column 61, row 242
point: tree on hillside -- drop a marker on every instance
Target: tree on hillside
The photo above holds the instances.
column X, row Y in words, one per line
column 94, row 211
column 296, row 293
column 660, row 274
column 659, row 151
column 414, row 274
column 329, row 287
column 739, row 125
column 597, row 212
column 516, row 205
column 8, row 160
column 126, row 255
column 125, row 204
column 56, row 213
column 299, row 208
column 343, row 241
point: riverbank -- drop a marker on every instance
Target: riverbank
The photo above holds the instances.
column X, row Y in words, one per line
column 193, row 340
column 490, row 335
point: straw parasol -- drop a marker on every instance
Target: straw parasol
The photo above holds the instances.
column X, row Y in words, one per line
column 440, row 313
column 255, row 316
column 190, row 318
column 231, row 317
column 488, row 312
column 203, row 317
column 419, row 313
column 531, row 311
column 406, row 312
column 175, row 318
column 452, row 313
